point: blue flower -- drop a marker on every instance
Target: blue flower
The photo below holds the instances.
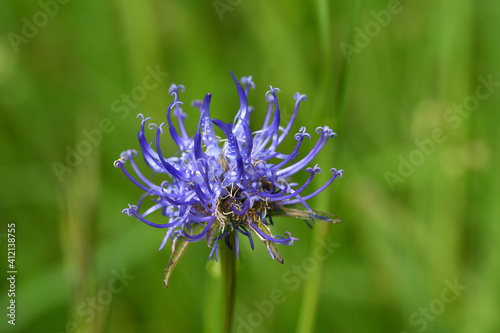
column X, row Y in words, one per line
column 215, row 186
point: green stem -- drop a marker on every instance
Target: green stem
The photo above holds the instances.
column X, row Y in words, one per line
column 309, row 305
column 228, row 280
column 211, row 314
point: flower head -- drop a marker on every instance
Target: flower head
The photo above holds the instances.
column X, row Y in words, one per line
column 215, row 186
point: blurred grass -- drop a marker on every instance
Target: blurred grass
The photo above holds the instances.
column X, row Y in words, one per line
column 397, row 247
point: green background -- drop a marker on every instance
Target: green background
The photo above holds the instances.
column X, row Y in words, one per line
column 400, row 240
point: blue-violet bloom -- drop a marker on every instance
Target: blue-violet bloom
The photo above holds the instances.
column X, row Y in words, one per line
column 215, row 186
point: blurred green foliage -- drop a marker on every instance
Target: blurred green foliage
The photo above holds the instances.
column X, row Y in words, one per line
column 400, row 240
